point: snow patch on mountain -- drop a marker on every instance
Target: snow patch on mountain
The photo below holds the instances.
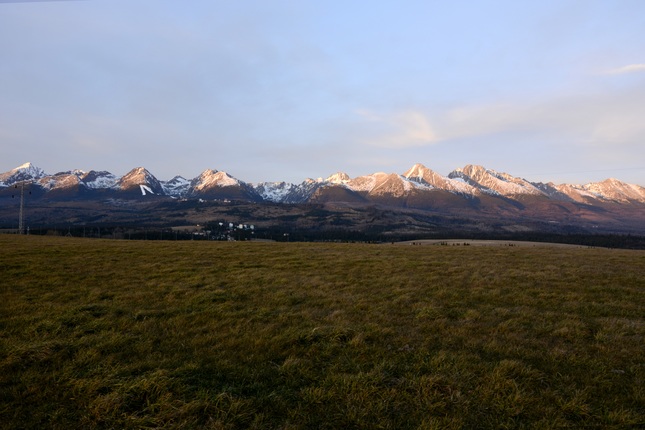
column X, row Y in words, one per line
column 615, row 190
column 275, row 192
column 176, row 187
column 338, row 178
column 365, row 183
column 420, row 174
column 380, row 183
column 495, row 183
column 213, row 178
column 285, row 192
column 137, row 177
column 99, row 180
column 60, row 181
column 145, row 190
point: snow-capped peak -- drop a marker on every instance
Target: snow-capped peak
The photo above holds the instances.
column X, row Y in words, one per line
column 380, row 183
column 212, row 178
column 96, row 180
column 613, row 189
column 31, row 170
column 416, row 172
column 274, row 191
column 176, row 187
column 494, row 182
column 422, row 175
column 25, row 172
column 338, row 178
column 137, row 177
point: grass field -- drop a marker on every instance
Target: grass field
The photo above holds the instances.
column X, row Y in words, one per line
column 125, row 334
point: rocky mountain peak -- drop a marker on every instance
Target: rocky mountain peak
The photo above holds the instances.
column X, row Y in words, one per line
column 613, row 189
column 338, row 178
column 416, row 171
column 420, row 173
column 213, row 178
column 25, row 172
column 141, row 179
column 492, row 182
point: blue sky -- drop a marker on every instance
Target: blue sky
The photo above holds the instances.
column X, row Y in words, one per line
column 284, row 90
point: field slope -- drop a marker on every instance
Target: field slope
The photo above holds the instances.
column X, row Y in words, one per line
column 125, row 334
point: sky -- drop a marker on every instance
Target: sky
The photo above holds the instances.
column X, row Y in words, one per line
column 280, row 90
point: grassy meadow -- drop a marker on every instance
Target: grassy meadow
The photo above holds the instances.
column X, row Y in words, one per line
column 135, row 334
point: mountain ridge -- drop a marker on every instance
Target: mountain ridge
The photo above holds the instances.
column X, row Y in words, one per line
column 473, row 198
column 470, row 181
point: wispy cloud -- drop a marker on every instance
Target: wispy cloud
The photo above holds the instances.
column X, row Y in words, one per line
column 600, row 120
column 631, row 68
column 399, row 130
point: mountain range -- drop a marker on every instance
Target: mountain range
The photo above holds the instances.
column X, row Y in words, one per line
column 472, row 191
column 470, row 181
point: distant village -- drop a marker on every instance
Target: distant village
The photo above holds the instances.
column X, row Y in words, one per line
column 227, row 231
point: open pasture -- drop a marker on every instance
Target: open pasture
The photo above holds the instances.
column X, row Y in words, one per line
column 134, row 334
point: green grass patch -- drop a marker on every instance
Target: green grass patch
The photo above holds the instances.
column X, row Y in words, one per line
column 120, row 334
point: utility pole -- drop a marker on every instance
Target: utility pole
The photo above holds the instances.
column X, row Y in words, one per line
column 21, row 224
column 22, row 206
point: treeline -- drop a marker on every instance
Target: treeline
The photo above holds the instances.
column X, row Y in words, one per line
column 112, row 232
column 623, row 241
column 241, row 232
column 594, row 240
